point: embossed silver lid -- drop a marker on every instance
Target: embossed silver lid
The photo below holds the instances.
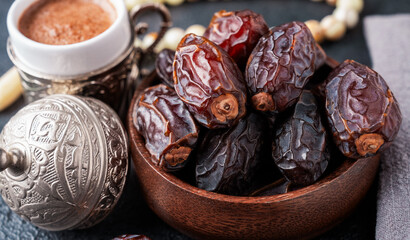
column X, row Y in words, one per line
column 63, row 162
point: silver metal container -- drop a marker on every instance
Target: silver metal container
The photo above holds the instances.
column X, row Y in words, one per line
column 63, row 162
column 109, row 84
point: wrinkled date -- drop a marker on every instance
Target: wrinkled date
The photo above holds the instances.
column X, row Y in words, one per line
column 163, row 66
column 279, row 129
column 236, row 32
column 169, row 130
column 363, row 114
column 280, row 66
column 299, row 145
column 228, row 159
column 209, row 82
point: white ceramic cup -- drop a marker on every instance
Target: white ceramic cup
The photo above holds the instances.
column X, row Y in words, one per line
column 73, row 59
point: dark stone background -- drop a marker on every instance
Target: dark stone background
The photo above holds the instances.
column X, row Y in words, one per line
column 131, row 214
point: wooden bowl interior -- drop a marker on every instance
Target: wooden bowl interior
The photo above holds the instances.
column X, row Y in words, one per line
column 298, row 214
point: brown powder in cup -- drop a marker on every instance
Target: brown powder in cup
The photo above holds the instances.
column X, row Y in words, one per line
column 60, row 22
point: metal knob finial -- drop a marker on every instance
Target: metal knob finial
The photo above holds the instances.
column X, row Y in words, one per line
column 6, row 160
column 13, row 160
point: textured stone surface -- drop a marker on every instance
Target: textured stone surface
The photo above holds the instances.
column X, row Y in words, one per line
column 390, row 51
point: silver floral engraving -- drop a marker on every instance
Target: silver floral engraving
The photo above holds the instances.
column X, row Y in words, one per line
column 77, row 154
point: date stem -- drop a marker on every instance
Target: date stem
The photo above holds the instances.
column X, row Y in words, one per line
column 225, row 107
column 177, row 155
column 369, row 143
column 263, row 102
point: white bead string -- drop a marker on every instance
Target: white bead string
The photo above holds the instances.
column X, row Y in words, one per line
column 132, row 3
column 171, row 38
column 332, row 27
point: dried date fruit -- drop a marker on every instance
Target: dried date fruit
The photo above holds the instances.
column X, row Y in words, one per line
column 236, row 32
column 280, row 65
column 319, row 91
column 132, row 237
column 228, row 159
column 209, row 82
column 299, row 145
column 317, row 83
column 163, row 66
column 363, row 113
column 169, row 129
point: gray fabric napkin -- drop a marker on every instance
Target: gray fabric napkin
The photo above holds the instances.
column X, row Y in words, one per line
column 388, row 39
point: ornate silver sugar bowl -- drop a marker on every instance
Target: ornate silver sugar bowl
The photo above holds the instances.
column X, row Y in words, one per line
column 64, row 158
column 63, row 162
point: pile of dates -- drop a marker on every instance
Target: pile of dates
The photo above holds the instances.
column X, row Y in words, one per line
column 246, row 105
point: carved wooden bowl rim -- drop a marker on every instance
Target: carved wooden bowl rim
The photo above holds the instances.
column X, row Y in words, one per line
column 137, row 142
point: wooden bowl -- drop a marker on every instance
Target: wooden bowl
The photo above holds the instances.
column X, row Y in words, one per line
column 300, row 214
